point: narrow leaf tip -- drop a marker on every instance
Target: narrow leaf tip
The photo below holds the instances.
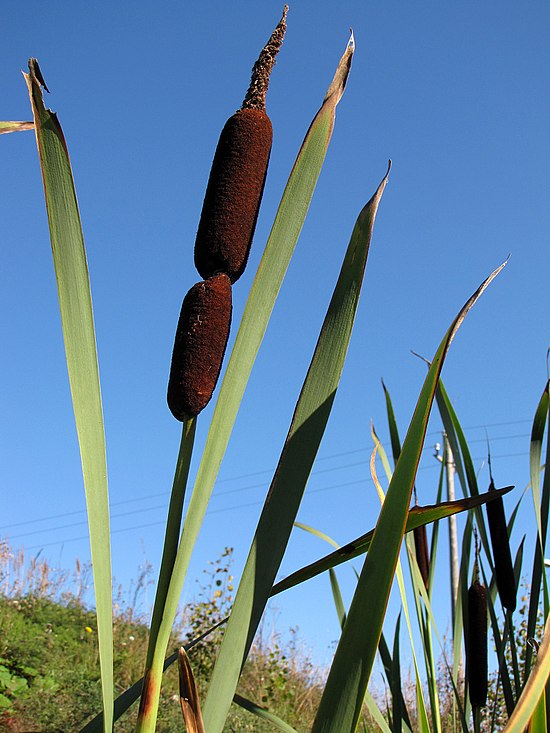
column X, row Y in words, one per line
column 36, row 74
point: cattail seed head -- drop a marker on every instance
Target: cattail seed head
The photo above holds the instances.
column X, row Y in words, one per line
column 504, row 569
column 233, row 194
column 476, row 644
column 421, row 552
column 237, row 178
column 199, row 346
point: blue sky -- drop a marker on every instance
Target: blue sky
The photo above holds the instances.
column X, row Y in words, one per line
column 454, row 93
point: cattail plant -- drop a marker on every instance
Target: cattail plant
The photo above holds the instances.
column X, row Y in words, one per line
column 421, row 552
column 504, row 569
column 476, row 641
column 224, row 237
column 199, row 347
column 238, row 174
column 222, row 247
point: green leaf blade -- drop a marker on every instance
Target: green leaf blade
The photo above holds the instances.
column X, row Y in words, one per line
column 292, row 473
column 344, row 693
column 71, row 271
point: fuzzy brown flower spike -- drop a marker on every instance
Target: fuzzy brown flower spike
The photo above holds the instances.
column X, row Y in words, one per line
column 201, row 338
column 500, row 542
column 476, row 641
column 237, row 177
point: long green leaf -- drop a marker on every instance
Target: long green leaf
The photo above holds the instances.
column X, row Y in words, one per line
column 292, row 473
column 534, row 688
column 264, row 714
column 535, row 452
column 377, row 715
column 418, row 588
column 273, row 265
column 334, row 585
column 535, row 460
column 344, row 693
column 395, row 682
column 317, row 533
column 387, row 663
column 75, row 301
column 337, row 597
column 15, row 126
column 173, row 528
column 392, row 426
column 417, row 516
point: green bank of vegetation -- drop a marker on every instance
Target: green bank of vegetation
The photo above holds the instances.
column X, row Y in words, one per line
column 49, row 672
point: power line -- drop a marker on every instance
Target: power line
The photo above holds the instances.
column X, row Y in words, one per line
column 210, row 511
column 250, row 487
column 123, row 502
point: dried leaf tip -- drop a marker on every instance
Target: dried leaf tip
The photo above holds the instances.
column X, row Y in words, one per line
column 259, row 82
column 338, row 84
column 35, row 72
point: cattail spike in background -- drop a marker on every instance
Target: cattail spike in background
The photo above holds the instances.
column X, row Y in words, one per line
column 237, row 178
column 476, row 638
column 500, row 542
column 199, row 347
column 421, row 547
column 421, row 552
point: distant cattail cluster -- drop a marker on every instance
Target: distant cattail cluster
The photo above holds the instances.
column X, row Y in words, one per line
column 224, row 237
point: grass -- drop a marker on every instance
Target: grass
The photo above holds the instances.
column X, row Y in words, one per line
column 48, row 639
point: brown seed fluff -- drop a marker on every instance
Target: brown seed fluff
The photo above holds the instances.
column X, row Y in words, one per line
column 233, row 194
column 199, row 346
column 237, row 178
column 504, row 569
column 476, row 644
column 421, row 551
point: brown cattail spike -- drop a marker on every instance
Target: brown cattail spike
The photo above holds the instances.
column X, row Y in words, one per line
column 233, row 195
column 236, row 183
column 476, row 644
column 504, row 569
column 421, row 551
column 201, row 338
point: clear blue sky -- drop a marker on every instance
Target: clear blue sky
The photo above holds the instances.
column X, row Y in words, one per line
column 455, row 93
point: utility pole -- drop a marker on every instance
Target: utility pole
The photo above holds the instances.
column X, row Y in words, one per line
column 448, row 460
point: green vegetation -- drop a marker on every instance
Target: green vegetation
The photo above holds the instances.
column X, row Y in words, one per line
column 49, row 673
column 60, row 664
